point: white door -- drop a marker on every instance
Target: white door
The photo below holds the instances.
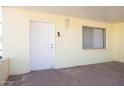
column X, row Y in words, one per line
column 41, row 44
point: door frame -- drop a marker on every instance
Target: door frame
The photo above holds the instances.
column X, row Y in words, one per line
column 53, row 39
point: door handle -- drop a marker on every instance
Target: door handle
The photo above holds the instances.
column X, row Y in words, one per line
column 51, row 46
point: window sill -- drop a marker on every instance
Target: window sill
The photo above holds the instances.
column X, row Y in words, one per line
column 93, row 48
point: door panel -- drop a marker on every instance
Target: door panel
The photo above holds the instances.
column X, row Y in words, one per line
column 40, row 44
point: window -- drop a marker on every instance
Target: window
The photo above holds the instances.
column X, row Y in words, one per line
column 94, row 38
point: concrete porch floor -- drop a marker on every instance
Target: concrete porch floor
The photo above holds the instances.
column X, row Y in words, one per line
column 102, row 74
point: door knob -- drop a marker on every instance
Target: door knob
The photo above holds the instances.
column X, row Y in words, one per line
column 51, row 46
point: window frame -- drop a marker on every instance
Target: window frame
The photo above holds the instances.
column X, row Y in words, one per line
column 104, row 36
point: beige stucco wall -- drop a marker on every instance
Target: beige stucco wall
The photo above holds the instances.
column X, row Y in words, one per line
column 68, row 47
column 4, row 71
column 118, row 41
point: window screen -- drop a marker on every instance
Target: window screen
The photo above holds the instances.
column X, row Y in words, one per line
column 94, row 38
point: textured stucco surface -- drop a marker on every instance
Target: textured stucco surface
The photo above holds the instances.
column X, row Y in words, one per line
column 4, row 71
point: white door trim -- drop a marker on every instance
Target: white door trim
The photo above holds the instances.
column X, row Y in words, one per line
column 53, row 38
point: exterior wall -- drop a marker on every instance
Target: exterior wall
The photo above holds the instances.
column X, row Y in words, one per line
column 118, row 41
column 68, row 47
column 4, row 71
